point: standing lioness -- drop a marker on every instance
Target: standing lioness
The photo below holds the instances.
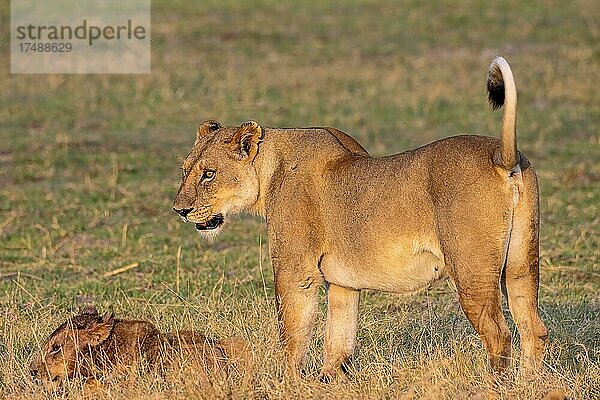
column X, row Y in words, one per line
column 464, row 207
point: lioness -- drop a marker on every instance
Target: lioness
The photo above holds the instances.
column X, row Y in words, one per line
column 464, row 207
column 90, row 344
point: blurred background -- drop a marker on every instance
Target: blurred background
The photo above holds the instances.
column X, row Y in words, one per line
column 89, row 167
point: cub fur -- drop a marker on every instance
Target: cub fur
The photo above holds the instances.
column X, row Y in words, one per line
column 89, row 345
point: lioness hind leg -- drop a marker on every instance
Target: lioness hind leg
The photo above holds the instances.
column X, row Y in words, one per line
column 522, row 302
column 340, row 334
column 485, row 314
column 522, row 277
column 479, row 293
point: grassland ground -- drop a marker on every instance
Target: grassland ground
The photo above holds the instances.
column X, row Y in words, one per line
column 88, row 171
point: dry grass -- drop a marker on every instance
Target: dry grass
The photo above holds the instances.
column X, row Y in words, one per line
column 396, row 359
column 88, row 170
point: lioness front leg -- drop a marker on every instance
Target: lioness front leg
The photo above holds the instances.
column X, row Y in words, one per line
column 340, row 334
column 297, row 302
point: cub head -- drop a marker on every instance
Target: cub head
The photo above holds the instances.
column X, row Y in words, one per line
column 219, row 177
column 59, row 357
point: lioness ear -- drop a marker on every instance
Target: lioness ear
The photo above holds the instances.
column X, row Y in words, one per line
column 246, row 139
column 101, row 329
column 207, row 127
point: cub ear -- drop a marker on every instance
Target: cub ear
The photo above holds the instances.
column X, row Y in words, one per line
column 247, row 138
column 101, row 329
column 207, row 127
column 88, row 310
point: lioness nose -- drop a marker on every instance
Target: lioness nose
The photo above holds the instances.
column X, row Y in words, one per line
column 183, row 211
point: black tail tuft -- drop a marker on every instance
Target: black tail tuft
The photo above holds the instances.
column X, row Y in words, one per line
column 495, row 87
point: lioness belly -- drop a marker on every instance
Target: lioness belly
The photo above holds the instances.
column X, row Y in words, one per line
column 407, row 267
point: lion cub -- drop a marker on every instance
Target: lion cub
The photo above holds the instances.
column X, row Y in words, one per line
column 89, row 344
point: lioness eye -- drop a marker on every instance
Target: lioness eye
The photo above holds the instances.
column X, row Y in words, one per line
column 55, row 349
column 208, row 175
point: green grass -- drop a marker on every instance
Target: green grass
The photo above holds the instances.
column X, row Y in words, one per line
column 88, row 171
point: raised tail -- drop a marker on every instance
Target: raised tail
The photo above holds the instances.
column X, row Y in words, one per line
column 502, row 91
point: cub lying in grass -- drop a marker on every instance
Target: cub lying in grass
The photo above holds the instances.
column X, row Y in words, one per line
column 89, row 345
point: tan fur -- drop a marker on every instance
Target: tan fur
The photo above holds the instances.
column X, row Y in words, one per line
column 464, row 207
column 89, row 345
column 555, row 395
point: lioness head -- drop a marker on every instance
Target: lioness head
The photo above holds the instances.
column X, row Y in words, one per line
column 59, row 356
column 218, row 175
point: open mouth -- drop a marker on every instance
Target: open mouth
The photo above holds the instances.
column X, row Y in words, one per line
column 213, row 223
